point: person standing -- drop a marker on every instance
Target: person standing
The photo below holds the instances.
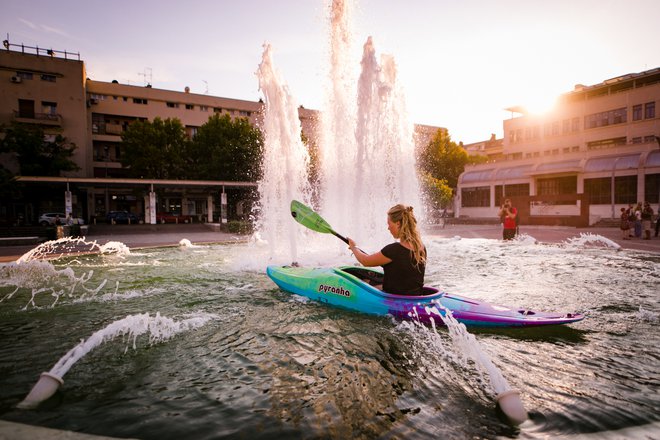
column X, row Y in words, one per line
column 508, row 216
column 625, row 224
column 647, row 216
column 638, row 220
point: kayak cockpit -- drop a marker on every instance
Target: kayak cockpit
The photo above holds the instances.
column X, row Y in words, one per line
column 374, row 278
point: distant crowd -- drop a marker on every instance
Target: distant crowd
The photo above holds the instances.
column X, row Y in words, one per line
column 636, row 221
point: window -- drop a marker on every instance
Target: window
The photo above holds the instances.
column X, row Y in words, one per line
column 203, row 108
column 565, row 126
column 625, row 189
column 649, row 110
column 190, row 107
column 49, row 78
column 599, row 190
column 603, row 119
column 26, row 108
column 606, row 143
column 575, row 125
column 48, row 108
column 217, row 110
column 475, row 197
column 557, row 186
column 637, row 112
column 651, row 187
column 24, row 75
column 139, row 101
column 173, row 104
column 575, row 149
column 520, row 189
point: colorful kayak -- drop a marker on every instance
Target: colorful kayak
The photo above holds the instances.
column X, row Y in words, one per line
column 352, row 287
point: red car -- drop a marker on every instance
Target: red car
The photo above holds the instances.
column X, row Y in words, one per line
column 171, row 217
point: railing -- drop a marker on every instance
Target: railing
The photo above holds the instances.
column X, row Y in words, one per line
column 41, row 117
column 41, row 51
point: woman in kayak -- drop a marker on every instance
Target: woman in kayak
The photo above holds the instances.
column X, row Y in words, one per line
column 403, row 262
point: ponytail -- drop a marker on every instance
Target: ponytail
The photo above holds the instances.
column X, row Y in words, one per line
column 408, row 232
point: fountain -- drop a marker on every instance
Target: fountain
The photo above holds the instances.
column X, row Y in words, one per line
column 264, row 364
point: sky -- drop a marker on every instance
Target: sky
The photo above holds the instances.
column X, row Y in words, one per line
column 461, row 63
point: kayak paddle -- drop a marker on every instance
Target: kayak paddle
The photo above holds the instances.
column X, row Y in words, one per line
column 305, row 216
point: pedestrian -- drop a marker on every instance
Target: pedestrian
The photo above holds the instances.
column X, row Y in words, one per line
column 508, row 216
column 647, row 217
column 638, row 220
column 625, row 224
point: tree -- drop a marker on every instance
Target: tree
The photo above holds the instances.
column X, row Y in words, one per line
column 226, row 149
column 156, row 150
column 38, row 154
column 440, row 164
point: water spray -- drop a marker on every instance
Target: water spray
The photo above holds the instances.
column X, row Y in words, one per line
column 158, row 327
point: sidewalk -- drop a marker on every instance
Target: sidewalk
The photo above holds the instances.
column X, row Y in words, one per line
column 141, row 236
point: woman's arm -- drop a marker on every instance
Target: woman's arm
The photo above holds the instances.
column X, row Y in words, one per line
column 368, row 260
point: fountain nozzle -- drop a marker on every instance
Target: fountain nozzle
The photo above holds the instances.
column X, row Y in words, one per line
column 45, row 387
column 512, row 407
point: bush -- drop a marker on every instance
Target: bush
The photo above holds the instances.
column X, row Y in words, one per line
column 239, row 227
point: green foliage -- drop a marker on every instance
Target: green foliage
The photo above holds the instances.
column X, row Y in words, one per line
column 239, row 227
column 226, row 149
column 440, row 164
column 156, row 150
column 443, row 159
column 37, row 155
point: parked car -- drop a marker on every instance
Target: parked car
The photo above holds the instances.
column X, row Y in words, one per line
column 122, row 217
column 51, row 218
column 171, row 217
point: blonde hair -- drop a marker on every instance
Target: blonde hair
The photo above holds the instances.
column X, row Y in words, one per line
column 408, row 230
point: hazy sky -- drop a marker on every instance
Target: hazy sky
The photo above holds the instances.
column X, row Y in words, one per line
column 461, row 62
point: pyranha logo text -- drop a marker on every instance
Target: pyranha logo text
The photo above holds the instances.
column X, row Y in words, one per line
column 336, row 290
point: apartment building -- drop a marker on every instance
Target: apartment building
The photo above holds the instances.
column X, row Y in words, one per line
column 50, row 88
column 598, row 150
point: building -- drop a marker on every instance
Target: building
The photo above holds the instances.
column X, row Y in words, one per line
column 50, row 88
column 598, row 150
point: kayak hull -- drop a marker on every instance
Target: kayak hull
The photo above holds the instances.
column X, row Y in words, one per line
column 350, row 287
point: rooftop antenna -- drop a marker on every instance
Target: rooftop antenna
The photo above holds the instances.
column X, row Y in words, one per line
column 206, row 84
column 148, row 72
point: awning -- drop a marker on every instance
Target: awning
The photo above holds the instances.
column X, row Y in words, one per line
column 477, row 176
column 569, row 166
column 612, row 163
column 513, row 172
column 653, row 159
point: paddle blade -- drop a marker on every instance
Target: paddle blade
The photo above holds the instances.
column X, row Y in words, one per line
column 305, row 216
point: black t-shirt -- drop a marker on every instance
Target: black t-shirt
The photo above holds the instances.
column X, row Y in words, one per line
column 402, row 275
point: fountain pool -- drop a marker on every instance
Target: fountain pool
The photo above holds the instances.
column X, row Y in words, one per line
column 265, row 364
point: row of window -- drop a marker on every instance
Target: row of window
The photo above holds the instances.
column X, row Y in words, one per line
column 29, row 75
column 599, row 190
column 572, row 125
column 95, row 98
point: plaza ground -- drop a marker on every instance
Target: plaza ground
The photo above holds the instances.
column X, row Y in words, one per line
column 141, row 236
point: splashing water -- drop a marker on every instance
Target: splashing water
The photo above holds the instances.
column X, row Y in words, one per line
column 366, row 145
column 588, row 239
column 466, row 344
column 159, row 328
column 34, row 271
column 285, row 159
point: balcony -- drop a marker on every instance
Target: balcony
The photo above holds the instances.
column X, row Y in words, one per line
column 50, row 119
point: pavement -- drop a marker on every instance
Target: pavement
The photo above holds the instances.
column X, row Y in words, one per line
column 145, row 236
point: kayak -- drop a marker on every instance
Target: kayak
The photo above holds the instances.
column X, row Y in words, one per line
column 353, row 288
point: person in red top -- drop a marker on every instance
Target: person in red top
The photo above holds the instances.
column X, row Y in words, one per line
column 508, row 216
column 403, row 262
